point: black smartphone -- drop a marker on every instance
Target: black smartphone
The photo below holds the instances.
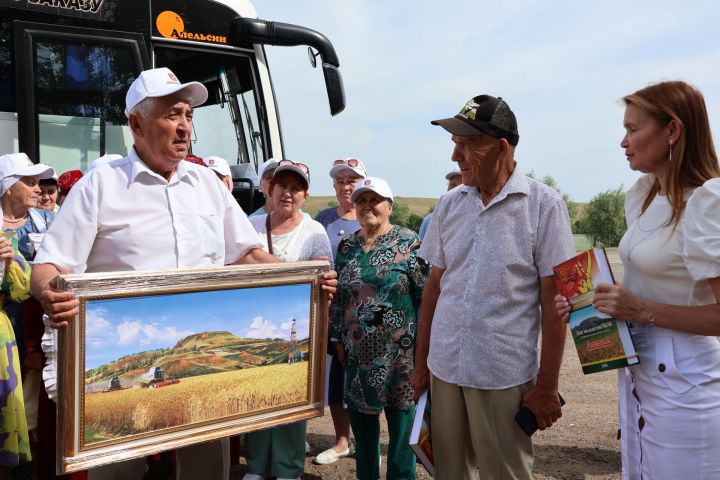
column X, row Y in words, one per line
column 527, row 421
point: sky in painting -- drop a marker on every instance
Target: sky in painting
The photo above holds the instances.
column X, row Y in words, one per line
column 120, row 327
column 562, row 65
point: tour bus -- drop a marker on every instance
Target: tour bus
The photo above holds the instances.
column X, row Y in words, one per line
column 67, row 64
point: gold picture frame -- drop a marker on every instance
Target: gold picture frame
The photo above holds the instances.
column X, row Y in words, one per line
column 159, row 360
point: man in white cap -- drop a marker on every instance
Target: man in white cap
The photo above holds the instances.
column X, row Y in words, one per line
column 222, row 169
column 265, row 173
column 150, row 210
column 454, row 178
column 339, row 222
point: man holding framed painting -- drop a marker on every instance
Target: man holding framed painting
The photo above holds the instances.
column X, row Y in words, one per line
column 149, row 211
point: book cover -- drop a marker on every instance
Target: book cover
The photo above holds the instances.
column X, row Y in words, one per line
column 602, row 342
column 420, row 440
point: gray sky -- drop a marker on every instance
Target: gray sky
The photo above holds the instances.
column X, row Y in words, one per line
column 561, row 65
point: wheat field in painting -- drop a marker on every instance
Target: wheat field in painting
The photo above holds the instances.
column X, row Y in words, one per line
column 193, row 400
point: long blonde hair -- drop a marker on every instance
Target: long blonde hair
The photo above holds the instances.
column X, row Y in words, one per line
column 694, row 160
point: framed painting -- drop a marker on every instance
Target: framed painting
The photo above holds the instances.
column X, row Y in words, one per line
column 158, row 360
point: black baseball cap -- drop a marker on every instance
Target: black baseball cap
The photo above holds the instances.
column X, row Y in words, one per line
column 483, row 114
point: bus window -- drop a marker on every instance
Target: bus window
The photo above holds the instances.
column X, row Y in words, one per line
column 73, row 108
column 229, row 124
column 80, row 94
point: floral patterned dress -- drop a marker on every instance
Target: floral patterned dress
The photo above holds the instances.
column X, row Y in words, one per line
column 375, row 313
column 14, row 442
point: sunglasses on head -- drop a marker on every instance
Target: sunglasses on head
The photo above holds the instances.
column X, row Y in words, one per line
column 350, row 162
column 301, row 166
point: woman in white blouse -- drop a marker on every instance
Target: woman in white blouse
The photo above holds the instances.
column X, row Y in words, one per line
column 291, row 236
column 669, row 404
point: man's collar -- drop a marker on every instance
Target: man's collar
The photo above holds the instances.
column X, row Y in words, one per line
column 137, row 166
column 516, row 183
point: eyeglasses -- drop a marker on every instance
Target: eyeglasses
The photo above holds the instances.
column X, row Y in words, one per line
column 350, row 162
column 299, row 165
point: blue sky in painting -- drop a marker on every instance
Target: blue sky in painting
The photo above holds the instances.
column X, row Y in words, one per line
column 117, row 327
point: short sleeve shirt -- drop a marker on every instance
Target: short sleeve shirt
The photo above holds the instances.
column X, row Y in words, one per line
column 337, row 228
column 124, row 216
column 487, row 318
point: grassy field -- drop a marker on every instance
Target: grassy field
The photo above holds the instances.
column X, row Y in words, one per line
column 131, row 411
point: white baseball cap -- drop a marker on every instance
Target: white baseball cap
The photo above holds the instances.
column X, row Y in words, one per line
column 267, row 166
column 14, row 166
column 452, row 173
column 160, row 82
column 348, row 165
column 372, row 184
column 220, row 165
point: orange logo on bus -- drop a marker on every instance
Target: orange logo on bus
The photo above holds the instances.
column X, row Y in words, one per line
column 170, row 25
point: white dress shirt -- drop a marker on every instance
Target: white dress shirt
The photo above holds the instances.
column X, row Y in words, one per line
column 124, row 216
column 487, row 318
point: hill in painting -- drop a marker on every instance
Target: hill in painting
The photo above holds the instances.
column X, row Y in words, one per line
column 198, row 354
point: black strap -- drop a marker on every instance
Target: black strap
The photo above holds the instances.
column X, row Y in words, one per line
column 269, row 237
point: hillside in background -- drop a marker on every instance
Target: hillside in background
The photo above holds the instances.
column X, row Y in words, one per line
column 198, row 354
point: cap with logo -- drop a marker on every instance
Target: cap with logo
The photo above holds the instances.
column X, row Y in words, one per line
column 352, row 165
column 372, row 184
column 219, row 165
column 483, row 114
column 160, row 82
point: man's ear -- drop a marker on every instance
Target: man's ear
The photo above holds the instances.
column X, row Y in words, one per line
column 135, row 123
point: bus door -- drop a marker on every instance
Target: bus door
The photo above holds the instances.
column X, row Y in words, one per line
column 71, row 86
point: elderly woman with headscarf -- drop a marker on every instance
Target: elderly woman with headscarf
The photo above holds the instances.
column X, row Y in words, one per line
column 19, row 194
column 374, row 314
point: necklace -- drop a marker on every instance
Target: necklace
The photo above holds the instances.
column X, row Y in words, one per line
column 647, row 234
column 6, row 220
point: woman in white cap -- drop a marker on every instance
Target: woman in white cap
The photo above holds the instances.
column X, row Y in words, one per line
column 374, row 316
column 291, row 236
column 19, row 195
column 339, row 222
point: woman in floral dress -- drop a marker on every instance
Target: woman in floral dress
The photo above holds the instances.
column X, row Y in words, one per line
column 374, row 315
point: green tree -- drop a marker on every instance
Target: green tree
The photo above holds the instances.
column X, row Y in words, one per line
column 604, row 221
column 571, row 205
column 400, row 214
column 414, row 222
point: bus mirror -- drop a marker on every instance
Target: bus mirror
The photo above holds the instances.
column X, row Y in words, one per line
column 313, row 57
column 335, row 89
column 256, row 31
